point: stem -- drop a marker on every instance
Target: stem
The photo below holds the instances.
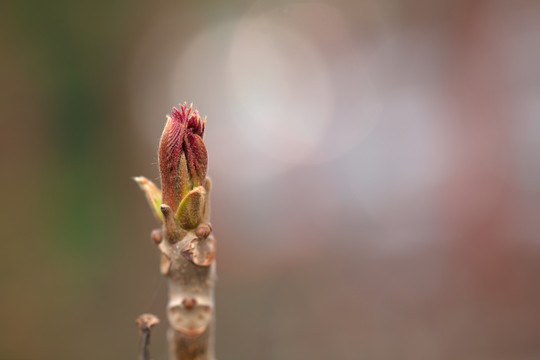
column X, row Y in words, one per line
column 145, row 323
column 187, row 259
column 185, row 239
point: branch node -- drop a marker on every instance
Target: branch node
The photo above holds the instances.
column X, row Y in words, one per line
column 200, row 252
column 203, row 231
column 189, row 302
column 156, row 236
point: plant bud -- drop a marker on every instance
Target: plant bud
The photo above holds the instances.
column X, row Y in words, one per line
column 182, row 155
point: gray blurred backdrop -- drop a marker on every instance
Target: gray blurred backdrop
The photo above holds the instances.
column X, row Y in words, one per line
column 376, row 170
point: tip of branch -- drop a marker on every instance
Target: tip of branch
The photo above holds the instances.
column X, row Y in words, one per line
column 146, row 321
column 165, row 209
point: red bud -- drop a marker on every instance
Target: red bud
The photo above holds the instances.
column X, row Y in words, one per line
column 182, row 155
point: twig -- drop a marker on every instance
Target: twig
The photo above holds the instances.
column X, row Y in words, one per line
column 145, row 323
column 185, row 239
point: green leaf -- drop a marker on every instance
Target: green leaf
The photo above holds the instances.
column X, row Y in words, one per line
column 191, row 209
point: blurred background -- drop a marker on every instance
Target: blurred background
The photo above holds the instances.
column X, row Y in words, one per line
column 376, row 169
